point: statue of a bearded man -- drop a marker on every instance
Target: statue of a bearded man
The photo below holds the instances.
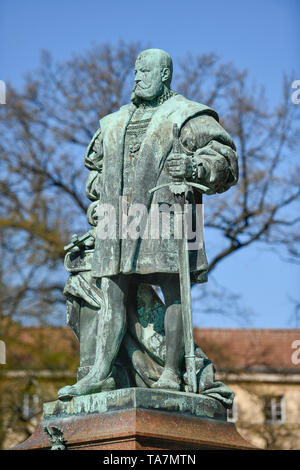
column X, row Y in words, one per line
column 129, row 337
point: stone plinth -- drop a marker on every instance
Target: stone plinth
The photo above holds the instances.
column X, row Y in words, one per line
column 127, row 398
column 138, row 418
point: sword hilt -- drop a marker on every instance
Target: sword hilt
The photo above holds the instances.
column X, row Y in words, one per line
column 77, row 241
column 178, row 185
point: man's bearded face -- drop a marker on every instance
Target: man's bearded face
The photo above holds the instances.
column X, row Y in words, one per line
column 148, row 77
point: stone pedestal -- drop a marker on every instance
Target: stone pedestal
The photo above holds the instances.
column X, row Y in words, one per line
column 138, row 419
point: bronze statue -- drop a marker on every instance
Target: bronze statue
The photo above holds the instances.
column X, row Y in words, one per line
column 128, row 336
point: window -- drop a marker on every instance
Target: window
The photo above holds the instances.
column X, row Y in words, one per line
column 232, row 412
column 30, row 405
column 274, row 409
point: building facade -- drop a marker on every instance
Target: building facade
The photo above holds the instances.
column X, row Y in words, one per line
column 262, row 367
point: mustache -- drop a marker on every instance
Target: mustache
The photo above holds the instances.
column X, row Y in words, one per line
column 135, row 98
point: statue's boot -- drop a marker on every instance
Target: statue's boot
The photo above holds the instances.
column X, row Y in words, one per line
column 168, row 380
column 86, row 387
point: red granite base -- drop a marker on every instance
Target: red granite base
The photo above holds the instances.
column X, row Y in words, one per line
column 140, row 429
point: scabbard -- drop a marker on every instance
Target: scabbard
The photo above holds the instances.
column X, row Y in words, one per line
column 186, row 306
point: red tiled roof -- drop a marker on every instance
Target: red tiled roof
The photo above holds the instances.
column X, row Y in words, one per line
column 53, row 348
column 249, row 349
column 229, row 349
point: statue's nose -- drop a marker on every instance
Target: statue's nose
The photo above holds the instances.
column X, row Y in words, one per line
column 137, row 77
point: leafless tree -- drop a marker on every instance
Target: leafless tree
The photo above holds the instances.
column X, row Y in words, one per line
column 47, row 124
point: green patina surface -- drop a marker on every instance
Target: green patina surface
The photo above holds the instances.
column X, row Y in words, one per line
column 140, row 345
column 198, row 405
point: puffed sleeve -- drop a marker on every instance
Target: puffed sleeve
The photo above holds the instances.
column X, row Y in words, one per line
column 93, row 161
column 213, row 153
column 94, row 153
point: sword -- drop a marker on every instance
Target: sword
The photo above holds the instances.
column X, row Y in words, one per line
column 77, row 241
column 179, row 187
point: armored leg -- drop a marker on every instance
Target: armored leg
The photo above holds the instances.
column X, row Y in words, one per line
column 169, row 379
column 110, row 333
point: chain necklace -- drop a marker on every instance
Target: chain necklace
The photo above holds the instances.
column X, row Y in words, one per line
column 158, row 100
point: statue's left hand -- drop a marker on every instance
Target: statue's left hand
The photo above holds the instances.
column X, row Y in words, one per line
column 180, row 165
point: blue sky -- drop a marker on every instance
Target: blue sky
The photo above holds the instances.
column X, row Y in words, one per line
column 263, row 36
